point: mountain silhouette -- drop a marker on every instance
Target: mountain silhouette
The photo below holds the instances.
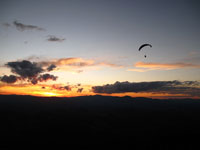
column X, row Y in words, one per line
column 98, row 120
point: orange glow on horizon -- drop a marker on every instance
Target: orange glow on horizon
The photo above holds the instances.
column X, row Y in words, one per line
column 48, row 91
column 37, row 90
column 47, row 94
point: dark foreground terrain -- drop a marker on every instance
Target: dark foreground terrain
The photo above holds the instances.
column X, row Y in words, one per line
column 139, row 123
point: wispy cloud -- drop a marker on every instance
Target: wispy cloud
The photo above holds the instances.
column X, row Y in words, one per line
column 52, row 38
column 6, row 25
column 75, row 61
column 22, row 27
column 190, row 88
column 76, row 64
column 192, row 57
column 148, row 66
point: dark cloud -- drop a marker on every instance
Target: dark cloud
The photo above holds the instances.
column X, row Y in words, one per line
column 43, row 78
column 9, row 79
column 25, row 69
column 170, row 87
column 22, row 27
column 53, row 38
column 46, row 77
column 122, row 87
column 51, row 67
column 79, row 90
column 33, row 80
column 58, row 87
column 30, row 71
column 68, row 88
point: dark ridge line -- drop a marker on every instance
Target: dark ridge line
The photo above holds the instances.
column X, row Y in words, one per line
column 100, row 96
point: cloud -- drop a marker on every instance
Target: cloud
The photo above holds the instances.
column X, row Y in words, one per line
column 9, row 79
column 165, row 66
column 6, row 25
column 109, row 65
column 144, row 66
column 33, row 80
column 171, row 87
column 51, row 67
column 68, row 88
column 30, row 71
column 53, row 38
column 192, row 57
column 25, row 69
column 79, row 90
column 76, row 64
column 79, row 62
column 43, row 78
column 58, row 87
column 72, row 61
column 46, row 77
column 22, row 27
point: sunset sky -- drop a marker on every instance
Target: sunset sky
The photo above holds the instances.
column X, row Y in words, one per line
column 88, row 47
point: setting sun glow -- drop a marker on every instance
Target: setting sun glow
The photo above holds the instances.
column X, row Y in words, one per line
column 49, row 94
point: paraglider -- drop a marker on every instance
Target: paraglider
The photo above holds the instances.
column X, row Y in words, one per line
column 142, row 46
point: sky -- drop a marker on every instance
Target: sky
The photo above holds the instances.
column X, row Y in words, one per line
column 76, row 47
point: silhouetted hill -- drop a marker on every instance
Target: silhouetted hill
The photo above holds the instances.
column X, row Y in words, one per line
column 140, row 122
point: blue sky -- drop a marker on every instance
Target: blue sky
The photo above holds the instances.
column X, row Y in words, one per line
column 101, row 28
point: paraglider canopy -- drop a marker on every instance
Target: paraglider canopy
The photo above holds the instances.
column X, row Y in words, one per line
column 143, row 45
